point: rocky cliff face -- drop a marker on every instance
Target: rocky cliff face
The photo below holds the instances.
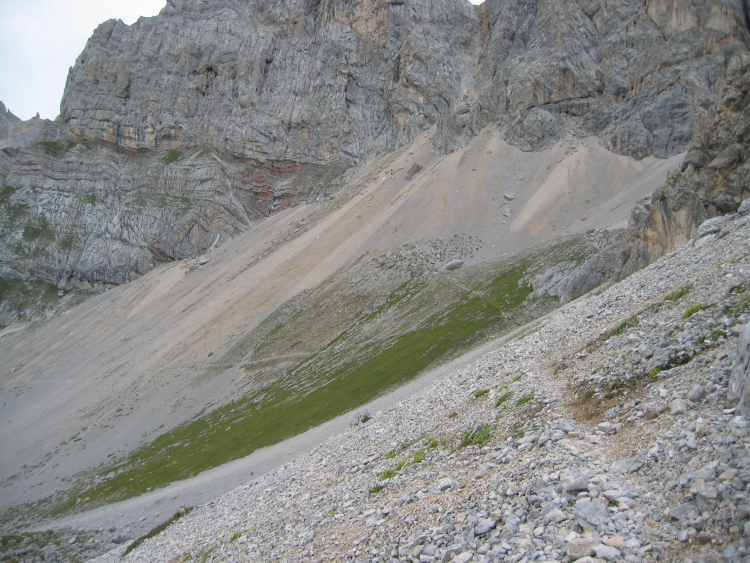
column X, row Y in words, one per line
column 342, row 81
column 714, row 178
column 183, row 128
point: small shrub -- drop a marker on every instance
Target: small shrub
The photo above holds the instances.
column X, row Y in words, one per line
column 361, row 418
column 453, row 415
column 588, row 394
column 681, row 291
column 391, row 454
column 689, row 312
column 503, row 398
column 560, row 367
column 654, row 372
column 476, row 437
column 519, row 435
column 236, row 536
column 480, row 393
column 523, row 400
column 376, row 489
column 387, row 474
column 431, row 443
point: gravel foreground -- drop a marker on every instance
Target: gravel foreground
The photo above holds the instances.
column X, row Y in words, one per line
column 604, row 435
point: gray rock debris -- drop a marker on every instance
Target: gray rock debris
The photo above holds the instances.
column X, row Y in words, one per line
column 562, row 491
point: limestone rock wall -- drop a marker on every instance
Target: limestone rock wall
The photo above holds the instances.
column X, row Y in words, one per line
column 342, row 81
column 317, row 81
column 95, row 217
column 714, row 178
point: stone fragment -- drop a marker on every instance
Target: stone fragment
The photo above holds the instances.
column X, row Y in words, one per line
column 607, row 552
column 678, row 406
column 454, row 265
column 684, row 510
column 581, row 547
column 627, row 465
column 697, row 392
column 592, row 512
column 484, row 526
column 445, row 484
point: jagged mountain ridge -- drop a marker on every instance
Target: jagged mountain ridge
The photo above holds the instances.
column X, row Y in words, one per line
column 269, row 88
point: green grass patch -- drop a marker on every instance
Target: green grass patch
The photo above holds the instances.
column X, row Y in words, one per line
column 504, row 397
column 6, row 193
column 376, row 489
column 157, row 530
column 690, row 311
column 517, row 378
column 680, row 292
column 171, row 156
column 476, row 437
column 40, row 232
column 57, row 148
column 523, row 400
column 387, row 474
column 431, row 443
column 480, row 393
column 588, row 393
column 308, row 395
column 236, row 536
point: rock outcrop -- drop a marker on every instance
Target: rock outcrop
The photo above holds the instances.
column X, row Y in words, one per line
column 714, row 178
column 96, row 217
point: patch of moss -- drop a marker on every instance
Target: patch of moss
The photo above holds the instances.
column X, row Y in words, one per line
column 680, row 292
column 690, row 311
column 503, row 398
column 523, row 400
column 480, row 393
column 171, row 156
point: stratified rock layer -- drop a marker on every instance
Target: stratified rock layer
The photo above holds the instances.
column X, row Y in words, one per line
column 329, row 80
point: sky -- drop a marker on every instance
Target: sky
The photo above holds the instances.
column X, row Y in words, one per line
column 41, row 39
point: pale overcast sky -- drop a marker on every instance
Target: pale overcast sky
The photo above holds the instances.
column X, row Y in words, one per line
column 41, row 39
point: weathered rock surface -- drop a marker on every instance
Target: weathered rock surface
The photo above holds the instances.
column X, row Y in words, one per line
column 96, row 217
column 334, row 81
column 15, row 133
column 713, row 181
